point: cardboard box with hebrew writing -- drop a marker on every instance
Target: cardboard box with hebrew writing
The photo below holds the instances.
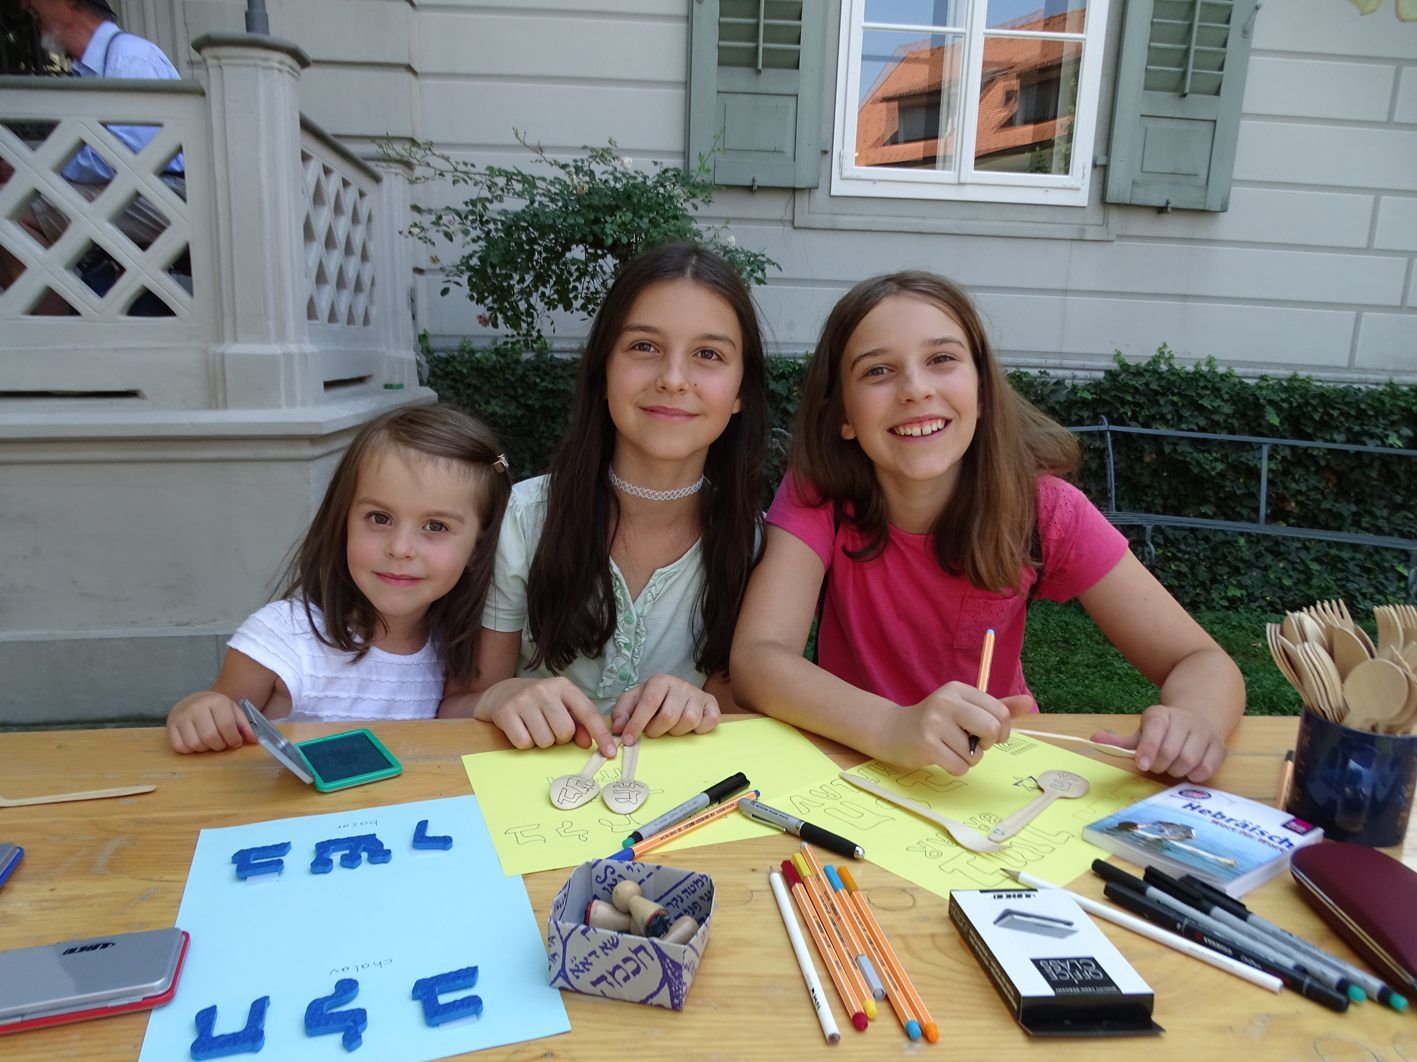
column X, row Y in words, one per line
column 599, row 962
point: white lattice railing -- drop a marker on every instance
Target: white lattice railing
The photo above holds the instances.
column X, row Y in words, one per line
column 338, row 232
column 269, row 275
column 98, row 251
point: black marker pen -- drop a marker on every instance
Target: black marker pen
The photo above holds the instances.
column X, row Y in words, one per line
column 813, row 834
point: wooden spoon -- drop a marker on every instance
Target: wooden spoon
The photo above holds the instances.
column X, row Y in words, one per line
column 1362, row 636
column 570, row 791
column 1376, row 692
column 1311, row 630
column 1348, row 651
column 1055, row 785
column 1403, row 724
column 964, row 836
column 1323, row 681
column 625, row 795
column 1409, row 654
column 1282, row 659
column 63, row 798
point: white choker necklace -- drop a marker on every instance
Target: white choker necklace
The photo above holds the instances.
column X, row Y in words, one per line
column 654, row 495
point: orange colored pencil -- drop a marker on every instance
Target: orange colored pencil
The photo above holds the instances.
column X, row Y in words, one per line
column 927, row 1023
column 843, row 952
column 649, row 844
column 849, row 998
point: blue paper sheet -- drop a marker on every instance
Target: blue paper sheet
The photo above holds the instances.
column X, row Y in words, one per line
column 424, row 912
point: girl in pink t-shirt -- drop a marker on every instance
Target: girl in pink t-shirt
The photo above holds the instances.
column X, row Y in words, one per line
column 921, row 509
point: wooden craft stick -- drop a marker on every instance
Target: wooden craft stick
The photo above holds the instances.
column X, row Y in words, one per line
column 90, row 794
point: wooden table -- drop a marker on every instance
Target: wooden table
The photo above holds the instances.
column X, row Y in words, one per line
column 118, row 865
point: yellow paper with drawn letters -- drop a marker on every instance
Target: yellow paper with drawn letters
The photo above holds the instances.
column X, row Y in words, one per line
column 530, row 834
column 1051, row 846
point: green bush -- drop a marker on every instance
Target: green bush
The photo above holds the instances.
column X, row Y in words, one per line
column 1322, row 489
column 526, row 398
column 532, row 243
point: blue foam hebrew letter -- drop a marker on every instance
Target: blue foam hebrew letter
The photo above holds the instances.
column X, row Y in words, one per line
column 248, row 1041
column 422, row 839
column 264, row 860
column 322, row 1018
column 426, row 989
column 354, row 850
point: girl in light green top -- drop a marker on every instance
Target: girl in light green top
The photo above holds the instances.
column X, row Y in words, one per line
column 619, row 575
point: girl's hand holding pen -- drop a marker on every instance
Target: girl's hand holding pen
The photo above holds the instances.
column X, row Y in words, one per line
column 938, row 729
column 1173, row 741
column 663, row 704
column 545, row 712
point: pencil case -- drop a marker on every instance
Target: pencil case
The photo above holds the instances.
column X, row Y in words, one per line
column 1368, row 898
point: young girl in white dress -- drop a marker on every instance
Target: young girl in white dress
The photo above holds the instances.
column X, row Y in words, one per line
column 381, row 600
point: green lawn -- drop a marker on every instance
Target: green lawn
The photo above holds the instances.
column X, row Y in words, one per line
column 1071, row 667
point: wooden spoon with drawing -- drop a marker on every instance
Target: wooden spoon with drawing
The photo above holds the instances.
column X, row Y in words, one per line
column 572, row 790
column 625, row 795
column 1055, row 784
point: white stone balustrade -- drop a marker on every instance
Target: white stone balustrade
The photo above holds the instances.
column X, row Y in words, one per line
column 278, row 270
column 154, row 470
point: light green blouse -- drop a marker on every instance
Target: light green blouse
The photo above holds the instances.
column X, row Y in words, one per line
column 653, row 633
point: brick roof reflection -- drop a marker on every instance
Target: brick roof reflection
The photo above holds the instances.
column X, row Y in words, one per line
column 887, row 134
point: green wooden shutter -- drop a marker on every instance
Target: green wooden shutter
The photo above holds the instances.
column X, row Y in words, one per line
column 755, row 72
column 1176, row 116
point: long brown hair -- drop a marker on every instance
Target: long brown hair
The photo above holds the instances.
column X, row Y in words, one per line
column 570, row 599
column 986, row 529
column 317, row 573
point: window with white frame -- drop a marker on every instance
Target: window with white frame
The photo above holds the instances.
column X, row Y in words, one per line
column 979, row 100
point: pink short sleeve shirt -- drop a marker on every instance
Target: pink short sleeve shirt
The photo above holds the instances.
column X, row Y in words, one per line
column 901, row 627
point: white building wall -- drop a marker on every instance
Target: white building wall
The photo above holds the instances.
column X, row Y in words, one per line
column 1312, row 268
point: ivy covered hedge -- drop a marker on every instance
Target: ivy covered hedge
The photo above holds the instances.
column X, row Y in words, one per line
column 525, row 397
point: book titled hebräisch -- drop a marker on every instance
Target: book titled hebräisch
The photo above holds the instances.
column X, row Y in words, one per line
column 1232, row 842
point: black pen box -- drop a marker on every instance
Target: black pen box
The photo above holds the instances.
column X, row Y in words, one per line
column 1057, row 972
column 600, row 962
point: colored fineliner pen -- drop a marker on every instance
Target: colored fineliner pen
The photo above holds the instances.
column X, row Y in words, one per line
column 1358, row 977
column 712, row 795
column 674, row 832
column 1195, row 927
column 789, row 824
column 986, row 659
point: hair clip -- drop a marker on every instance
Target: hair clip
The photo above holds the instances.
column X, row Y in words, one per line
column 501, row 464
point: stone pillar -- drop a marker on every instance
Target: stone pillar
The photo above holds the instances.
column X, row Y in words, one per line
column 263, row 356
column 393, row 298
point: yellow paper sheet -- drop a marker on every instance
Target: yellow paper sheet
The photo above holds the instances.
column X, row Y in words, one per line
column 530, row 835
column 1051, row 846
